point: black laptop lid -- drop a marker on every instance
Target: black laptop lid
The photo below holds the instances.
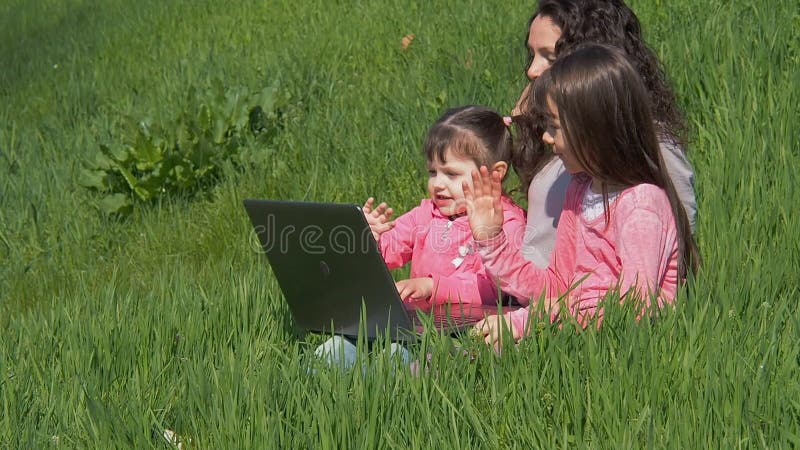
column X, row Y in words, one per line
column 327, row 263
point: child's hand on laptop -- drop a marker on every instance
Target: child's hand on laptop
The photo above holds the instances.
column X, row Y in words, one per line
column 415, row 288
column 378, row 218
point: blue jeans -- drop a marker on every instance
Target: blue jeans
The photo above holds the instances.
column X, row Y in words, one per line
column 341, row 351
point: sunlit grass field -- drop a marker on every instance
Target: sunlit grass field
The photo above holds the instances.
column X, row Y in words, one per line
column 115, row 329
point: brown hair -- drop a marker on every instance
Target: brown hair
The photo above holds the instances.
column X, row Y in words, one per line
column 609, row 22
column 606, row 118
column 473, row 132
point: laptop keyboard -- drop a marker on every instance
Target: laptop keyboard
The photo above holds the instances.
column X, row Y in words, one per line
column 449, row 316
column 441, row 319
column 445, row 319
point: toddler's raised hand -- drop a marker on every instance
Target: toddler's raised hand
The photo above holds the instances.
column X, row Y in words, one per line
column 484, row 208
column 378, row 218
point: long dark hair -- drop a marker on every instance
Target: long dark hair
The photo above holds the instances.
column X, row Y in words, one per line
column 606, row 118
column 613, row 23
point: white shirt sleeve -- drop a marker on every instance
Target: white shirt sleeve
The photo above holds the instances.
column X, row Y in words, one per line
column 545, row 202
column 682, row 175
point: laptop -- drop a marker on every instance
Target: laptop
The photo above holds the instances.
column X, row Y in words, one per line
column 334, row 278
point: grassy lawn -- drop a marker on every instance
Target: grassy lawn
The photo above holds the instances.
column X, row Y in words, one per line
column 114, row 329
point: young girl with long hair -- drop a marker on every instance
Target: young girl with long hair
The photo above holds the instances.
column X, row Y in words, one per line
column 557, row 27
column 622, row 226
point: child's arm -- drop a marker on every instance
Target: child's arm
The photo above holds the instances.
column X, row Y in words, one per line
column 464, row 287
column 397, row 244
column 646, row 242
column 516, row 275
column 647, row 246
column 501, row 252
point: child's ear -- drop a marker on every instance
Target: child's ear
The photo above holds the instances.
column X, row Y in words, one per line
column 502, row 167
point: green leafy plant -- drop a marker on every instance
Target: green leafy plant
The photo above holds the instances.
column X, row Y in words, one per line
column 185, row 156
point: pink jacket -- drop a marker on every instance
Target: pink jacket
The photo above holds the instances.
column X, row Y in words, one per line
column 442, row 249
column 637, row 250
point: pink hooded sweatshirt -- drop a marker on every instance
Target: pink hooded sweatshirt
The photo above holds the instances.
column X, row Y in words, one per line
column 442, row 248
column 636, row 252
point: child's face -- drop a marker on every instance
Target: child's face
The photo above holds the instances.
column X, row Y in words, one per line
column 554, row 136
column 444, row 183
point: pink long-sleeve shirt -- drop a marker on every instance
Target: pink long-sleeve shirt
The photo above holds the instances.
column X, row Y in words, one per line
column 637, row 252
column 441, row 248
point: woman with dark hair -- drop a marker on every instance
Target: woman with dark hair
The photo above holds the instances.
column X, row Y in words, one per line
column 555, row 29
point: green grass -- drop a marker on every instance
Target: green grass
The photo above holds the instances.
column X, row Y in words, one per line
column 114, row 329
